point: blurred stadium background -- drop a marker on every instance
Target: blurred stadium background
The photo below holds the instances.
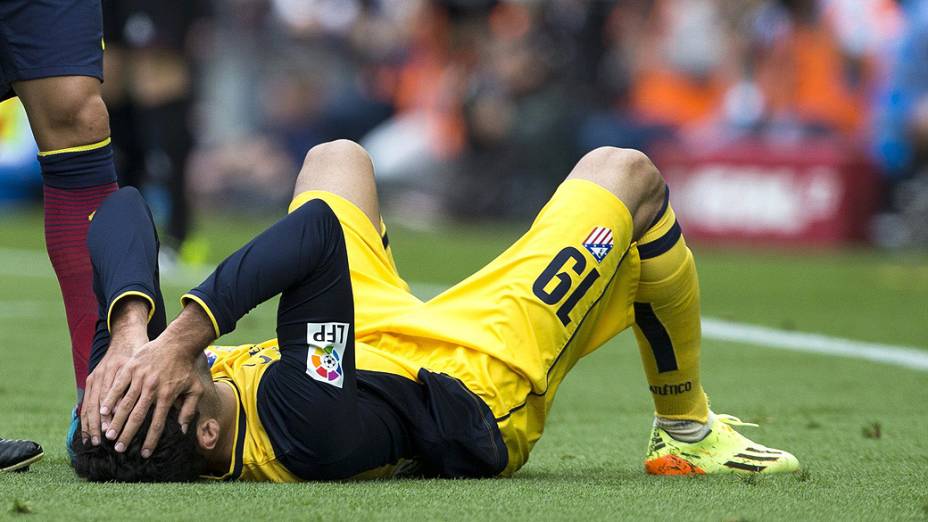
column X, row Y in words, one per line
column 789, row 121
column 794, row 135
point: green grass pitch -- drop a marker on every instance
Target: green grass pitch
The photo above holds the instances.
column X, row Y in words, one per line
column 588, row 465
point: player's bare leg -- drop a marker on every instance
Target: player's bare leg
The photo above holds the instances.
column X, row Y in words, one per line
column 344, row 168
column 64, row 111
column 668, row 330
column 71, row 126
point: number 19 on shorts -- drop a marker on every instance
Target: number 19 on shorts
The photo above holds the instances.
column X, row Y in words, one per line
column 556, row 281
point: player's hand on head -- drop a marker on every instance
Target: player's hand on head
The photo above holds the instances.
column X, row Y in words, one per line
column 157, row 375
column 129, row 332
column 99, row 382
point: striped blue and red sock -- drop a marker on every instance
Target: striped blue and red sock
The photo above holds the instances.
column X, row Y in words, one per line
column 77, row 180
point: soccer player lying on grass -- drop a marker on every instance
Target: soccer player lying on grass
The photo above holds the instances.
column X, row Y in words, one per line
column 364, row 379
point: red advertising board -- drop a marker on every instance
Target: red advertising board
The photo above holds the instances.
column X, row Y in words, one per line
column 810, row 193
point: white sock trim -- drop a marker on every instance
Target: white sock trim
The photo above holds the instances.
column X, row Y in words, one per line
column 685, row 430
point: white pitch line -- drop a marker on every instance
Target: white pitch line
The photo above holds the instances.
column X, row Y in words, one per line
column 905, row 356
column 33, row 263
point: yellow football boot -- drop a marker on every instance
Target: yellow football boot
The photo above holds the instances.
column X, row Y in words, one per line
column 723, row 450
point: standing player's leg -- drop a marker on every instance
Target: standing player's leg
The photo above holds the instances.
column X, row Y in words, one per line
column 70, row 124
column 51, row 56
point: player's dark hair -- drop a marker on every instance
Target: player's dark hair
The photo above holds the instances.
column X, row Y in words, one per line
column 175, row 459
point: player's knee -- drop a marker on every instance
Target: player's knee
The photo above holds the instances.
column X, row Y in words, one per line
column 620, row 163
column 78, row 117
column 333, row 164
column 623, row 170
column 337, row 150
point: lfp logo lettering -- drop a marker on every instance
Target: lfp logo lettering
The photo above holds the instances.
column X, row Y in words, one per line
column 327, row 342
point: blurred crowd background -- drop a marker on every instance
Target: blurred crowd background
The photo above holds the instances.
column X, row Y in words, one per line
column 477, row 109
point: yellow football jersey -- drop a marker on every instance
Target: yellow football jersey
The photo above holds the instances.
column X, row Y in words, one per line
column 253, row 457
column 241, row 367
column 512, row 331
column 509, row 333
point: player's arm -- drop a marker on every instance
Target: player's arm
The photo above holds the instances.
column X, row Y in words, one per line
column 161, row 371
column 123, row 251
column 128, row 329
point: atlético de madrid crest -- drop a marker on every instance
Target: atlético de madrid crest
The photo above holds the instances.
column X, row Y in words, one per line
column 599, row 243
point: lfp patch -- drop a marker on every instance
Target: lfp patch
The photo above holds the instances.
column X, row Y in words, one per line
column 599, row 243
column 327, row 342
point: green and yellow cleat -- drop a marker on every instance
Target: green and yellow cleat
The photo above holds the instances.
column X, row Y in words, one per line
column 723, row 450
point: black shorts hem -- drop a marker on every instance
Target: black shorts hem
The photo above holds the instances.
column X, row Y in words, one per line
column 35, row 73
column 51, row 71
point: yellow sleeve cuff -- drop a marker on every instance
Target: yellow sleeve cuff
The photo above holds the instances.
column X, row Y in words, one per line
column 190, row 297
column 151, row 303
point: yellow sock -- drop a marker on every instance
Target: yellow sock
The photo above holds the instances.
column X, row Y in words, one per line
column 667, row 321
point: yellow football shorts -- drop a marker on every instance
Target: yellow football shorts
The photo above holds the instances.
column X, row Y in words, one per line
column 513, row 330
